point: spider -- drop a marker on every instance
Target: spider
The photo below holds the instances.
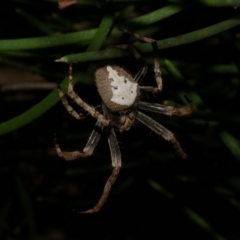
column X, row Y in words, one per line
column 120, row 93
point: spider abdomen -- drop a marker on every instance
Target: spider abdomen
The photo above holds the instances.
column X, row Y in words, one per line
column 117, row 87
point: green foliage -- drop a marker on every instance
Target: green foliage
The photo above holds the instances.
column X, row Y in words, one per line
column 156, row 195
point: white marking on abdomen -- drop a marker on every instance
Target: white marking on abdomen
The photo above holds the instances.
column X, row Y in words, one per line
column 124, row 91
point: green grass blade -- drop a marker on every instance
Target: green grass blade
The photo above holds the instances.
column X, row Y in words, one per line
column 162, row 44
column 102, row 31
column 232, row 143
column 82, row 36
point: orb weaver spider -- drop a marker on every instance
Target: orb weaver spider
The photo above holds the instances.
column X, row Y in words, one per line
column 120, row 93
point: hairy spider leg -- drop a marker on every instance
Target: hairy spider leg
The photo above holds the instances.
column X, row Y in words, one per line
column 91, row 110
column 142, row 72
column 66, row 104
column 157, row 70
column 163, row 132
column 116, row 164
column 88, row 149
column 167, row 110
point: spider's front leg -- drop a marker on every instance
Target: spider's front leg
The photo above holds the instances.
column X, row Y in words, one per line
column 73, row 95
column 88, row 149
column 116, row 164
column 66, row 104
column 157, row 70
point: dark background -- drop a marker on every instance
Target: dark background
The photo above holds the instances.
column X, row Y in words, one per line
column 156, row 194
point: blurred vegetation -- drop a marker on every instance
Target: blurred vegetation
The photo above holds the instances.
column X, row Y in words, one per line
column 156, row 195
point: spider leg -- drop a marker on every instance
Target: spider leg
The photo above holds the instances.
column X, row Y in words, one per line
column 142, row 72
column 88, row 149
column 162, row 131
column 167, row 110
column 116, row 164
column 84, row 105
column 157, row 70
column 66, row 104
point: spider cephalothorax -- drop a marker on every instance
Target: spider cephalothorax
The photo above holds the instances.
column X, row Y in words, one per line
column 120, row 92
